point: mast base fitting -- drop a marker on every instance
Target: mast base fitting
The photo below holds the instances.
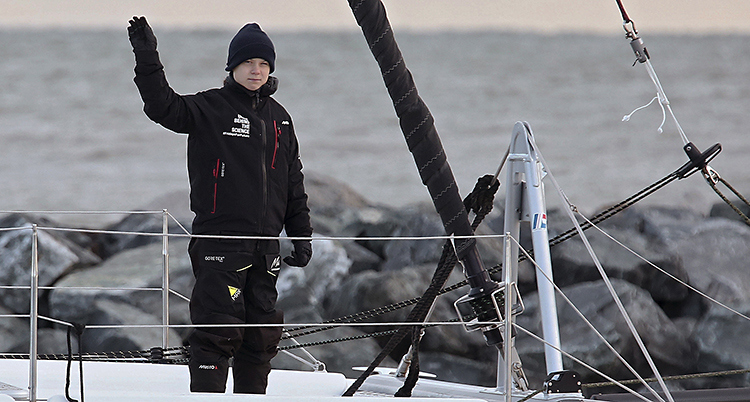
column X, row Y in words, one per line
column 485, row 312
column 566, row 381
column 493, row 337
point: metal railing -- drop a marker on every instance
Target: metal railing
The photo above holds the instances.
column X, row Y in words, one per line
column 165, row 290
column 34, row 286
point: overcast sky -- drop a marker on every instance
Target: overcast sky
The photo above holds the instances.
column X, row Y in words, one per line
column 601, row 16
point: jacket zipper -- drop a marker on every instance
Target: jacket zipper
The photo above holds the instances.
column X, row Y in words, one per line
column 216, row 183
column 255, row 102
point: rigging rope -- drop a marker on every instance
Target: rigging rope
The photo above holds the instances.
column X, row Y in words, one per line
column 669, row 378
column 727, row 201
column 480, row 201
column 602, row 216
column 697, row 159
column 79, row 331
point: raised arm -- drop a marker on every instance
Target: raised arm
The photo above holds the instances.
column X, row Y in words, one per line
column 160, row 103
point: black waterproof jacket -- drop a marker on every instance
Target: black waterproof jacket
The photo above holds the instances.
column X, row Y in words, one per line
column 243, row 156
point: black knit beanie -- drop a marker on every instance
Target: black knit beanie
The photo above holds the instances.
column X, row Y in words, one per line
column 250, row 42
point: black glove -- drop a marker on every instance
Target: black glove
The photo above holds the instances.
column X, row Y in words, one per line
column 141, row 36
column 301, row 254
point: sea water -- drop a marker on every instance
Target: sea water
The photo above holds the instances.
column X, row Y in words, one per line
column 73, row 135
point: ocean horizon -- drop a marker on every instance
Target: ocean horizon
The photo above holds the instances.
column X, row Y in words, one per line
column 74, row 136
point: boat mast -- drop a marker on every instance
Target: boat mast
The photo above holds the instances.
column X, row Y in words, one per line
column 524, row 202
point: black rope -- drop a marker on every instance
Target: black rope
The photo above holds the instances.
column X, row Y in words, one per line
column 448, row 259
column 79, row 331
column 424, row 144
column 481, row 201
column 411, row 379
column 570, row 233
column 174, row 355
column 344, row 339
column 727, row 201
column 669, row 378
column 615, row 209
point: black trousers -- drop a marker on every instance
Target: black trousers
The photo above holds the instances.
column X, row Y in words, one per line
column 235, row 284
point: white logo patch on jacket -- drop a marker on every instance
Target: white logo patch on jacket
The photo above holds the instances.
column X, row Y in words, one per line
column 241, row 127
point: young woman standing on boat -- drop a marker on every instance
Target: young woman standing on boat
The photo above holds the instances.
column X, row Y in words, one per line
column 245, row 180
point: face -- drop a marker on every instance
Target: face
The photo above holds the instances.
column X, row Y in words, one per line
column 252, row 73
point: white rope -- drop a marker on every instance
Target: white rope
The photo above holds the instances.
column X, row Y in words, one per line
column 309, row 238
column 299, row 359
column 56, row 321
column 180, row 295
column 284, row 325
column 187, row 234
column 82, row 212
column 627, row 116
column 177, row 222
column 15, row 228
column 93, row 288
column 663, row 103
column 313, row 363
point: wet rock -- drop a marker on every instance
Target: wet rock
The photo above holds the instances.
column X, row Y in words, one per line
column 50, row 341
column 716, row 337
column 670, row 348
column 346, row 277
column 406, row 253
column 58, row 255
column 573, row 264
column 661, row 225
column 362, row 258
column 110, row 312
column 13, row 332
column 369, row 290
column 331, row 202
column 724, row 210
column 715, row 254
column 150, row 220
column 139, row 268
column 309, row 285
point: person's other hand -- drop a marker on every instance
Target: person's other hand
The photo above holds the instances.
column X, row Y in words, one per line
column 301, row 254
column 141, row 35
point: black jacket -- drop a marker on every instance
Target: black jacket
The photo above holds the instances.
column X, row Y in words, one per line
column 243, row 156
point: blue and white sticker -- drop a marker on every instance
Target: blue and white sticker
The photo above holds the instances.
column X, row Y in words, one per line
column 539, row 222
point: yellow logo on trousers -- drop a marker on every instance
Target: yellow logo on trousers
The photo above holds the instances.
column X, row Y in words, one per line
column 234, row 292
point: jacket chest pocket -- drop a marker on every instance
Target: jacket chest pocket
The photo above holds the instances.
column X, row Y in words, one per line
column 281, row 137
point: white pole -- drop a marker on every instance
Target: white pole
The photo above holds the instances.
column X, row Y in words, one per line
column 165, row 280
column 508, row 341
column 540, row 239
column 33, row 313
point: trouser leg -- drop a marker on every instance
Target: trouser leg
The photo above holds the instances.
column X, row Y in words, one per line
column 217, row 298
column 252, row 363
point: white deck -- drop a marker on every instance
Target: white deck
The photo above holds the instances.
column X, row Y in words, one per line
column 121, row 382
